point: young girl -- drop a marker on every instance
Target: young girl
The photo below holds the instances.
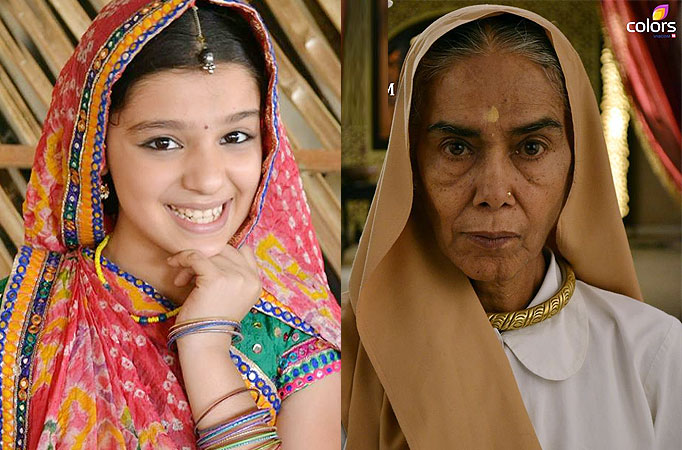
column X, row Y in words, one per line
column 170, row 292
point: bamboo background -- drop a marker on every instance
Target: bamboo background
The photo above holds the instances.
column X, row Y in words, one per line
column 38, row 36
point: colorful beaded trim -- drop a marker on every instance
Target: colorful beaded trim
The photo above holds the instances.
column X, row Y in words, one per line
column 31, row 312
column 145, row 288
column 256, row 378
column 304, row 363
column 111, row 59
column 8, row 349
column 268, row 307
column 139, row 319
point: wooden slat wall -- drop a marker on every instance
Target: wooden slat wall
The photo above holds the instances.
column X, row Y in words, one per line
column 36, row 39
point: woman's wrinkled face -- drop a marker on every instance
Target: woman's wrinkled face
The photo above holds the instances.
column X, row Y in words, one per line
column 493, row 158
column 185, row 156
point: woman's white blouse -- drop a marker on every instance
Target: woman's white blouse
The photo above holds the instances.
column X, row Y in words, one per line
column 604, row 373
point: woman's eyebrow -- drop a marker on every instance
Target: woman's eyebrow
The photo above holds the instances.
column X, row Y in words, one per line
column 451, row 128
column 180, row 125
column 545, row 122
column 459, row 130
column 152, row 124
column 242, row 115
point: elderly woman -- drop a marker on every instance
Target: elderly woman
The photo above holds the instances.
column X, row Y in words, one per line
column 493, row 301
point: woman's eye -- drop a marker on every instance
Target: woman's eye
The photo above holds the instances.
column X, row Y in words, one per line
column 162, row 143
column 236, row 137
column 532, row 149
column 456, row 148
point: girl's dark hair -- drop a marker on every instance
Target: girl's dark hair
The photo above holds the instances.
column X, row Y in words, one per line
column 228, row 35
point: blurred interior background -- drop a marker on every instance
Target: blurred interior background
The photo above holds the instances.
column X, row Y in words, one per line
column 636, row 81
column 38, row 36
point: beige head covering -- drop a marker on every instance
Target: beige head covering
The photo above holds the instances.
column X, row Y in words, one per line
column 421, row 363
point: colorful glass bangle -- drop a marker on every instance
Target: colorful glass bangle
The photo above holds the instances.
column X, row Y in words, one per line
column 221, row 320
column 207, row 322
column 249, row 440
column 222, row 399
column 205, row 326
column 238, row 336
column 249, row 415
column 269, row 445
column 247, row 421
column 237, row 435
column 208, row 327
column 220, row 436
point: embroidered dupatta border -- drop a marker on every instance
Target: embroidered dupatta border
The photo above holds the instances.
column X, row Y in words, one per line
column 111, row 60
column 21, row 321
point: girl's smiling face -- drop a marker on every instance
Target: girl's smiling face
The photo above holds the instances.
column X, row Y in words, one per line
column 184, row 153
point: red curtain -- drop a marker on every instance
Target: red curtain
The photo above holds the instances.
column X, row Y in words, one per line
column 650, row 66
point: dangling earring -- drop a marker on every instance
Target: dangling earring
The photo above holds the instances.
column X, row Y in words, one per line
column 104, row 191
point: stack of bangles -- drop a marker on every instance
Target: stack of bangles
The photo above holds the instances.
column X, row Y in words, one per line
column 248, row 428
column 209, row 325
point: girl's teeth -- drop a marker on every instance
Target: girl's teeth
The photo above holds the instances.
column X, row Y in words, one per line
column 197, row 215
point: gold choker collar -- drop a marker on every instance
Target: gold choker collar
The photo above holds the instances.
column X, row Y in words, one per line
column 519, row 319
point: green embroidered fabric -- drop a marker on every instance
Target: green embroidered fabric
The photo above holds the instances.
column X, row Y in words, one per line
column 266, row 339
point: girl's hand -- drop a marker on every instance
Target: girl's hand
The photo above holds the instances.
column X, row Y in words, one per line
column 225, row 285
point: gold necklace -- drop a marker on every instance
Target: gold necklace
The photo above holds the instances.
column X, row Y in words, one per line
column 139, row 319
column 526, row 317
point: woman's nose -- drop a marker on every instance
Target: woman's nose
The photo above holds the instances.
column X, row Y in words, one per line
column 204, row 170
column 494, row 183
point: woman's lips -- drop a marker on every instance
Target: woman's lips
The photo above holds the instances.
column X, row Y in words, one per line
column 491, row 240
column 202, row 228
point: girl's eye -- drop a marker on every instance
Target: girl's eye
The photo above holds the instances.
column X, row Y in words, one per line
column 456, row 148
column 531, row 149
column 162, row 143
column 236, row 137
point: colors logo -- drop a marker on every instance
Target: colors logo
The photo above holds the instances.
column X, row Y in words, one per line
column 660, row 13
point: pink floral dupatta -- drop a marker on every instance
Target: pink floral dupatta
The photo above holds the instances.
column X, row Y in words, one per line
column 76, row 370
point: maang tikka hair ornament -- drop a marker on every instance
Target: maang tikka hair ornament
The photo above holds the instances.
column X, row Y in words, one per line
column 205, row 55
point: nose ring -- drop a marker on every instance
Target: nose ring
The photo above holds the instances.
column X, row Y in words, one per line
column 509, row 194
